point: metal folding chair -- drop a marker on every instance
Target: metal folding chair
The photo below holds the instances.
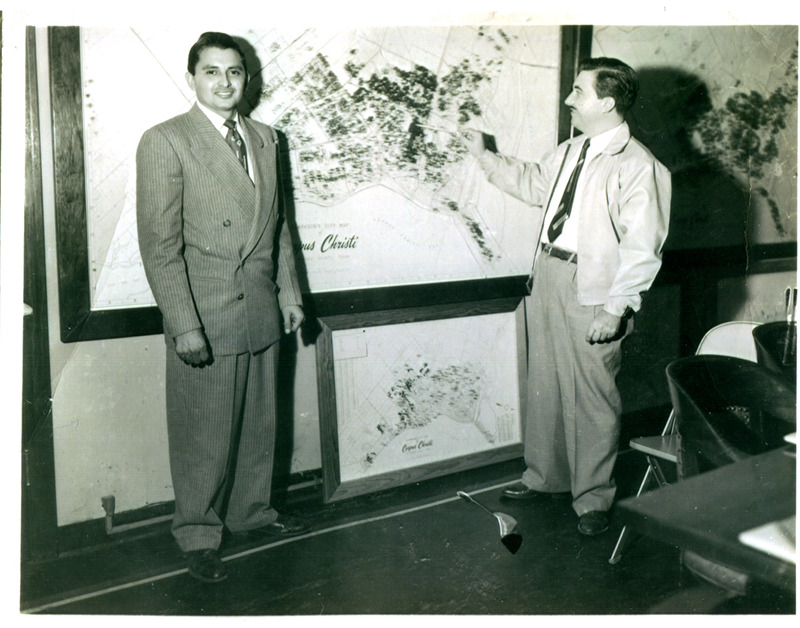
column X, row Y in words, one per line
column 734, row 339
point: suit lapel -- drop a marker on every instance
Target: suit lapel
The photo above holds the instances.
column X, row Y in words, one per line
column 263, row 152
column 211, row 150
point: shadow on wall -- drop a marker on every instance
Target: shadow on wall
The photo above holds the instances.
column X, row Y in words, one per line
column 250, row 101
column 287, row 369
column 709, row 209
column 709, row 205
column 255, row 82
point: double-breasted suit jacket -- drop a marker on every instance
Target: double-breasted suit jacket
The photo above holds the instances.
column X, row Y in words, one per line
column 210, row 237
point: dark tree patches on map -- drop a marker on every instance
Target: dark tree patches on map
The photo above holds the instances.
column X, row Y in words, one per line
column 358, row 129
column 293, row 122
column 742, row 135
column 401, row 394
column 423, row 394
column 459, row 86
column 415, row 88
column 339, row 118
column 390, row 100
column 270, row 87
column 397, row 95
column 351, row 67
column 415, row 143
column 480, row 239
column 416, row 91
column 317, row 80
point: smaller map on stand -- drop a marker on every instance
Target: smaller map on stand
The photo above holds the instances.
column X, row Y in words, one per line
column 425, row 392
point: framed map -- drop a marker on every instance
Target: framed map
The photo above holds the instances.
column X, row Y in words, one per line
column 380, row 192
column 411, row 394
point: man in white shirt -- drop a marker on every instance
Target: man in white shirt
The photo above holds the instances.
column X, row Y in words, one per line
column 604, row 219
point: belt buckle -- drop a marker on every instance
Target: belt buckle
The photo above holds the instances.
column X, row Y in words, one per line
column 562, row 254
column 550, row 250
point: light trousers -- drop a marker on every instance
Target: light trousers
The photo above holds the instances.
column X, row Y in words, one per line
column 573, row 419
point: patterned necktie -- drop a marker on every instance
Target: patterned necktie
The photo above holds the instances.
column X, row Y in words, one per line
column 565, row 206
column 236, row 143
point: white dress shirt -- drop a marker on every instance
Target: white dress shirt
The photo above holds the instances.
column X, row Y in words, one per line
column 219, row 123
column 568, row 238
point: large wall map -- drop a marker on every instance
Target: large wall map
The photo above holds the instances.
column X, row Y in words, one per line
column 382, row 191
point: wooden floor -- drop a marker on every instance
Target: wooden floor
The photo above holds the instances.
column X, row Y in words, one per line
column 414, row 550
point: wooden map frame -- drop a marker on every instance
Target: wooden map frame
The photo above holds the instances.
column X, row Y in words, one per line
column 334, row 488
column 78, row 320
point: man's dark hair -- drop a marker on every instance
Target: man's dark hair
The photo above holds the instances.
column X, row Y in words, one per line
column 613, row 78
column 213, row 40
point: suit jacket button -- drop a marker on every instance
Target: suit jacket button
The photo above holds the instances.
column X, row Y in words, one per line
column 227, row 223
column 240, row 297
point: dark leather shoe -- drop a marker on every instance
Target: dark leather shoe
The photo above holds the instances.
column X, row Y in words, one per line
column 206, row 565
column 284, row 526
column 593, row 523
column 523, row 493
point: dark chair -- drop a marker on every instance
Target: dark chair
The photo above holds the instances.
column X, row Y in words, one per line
column 776, row 348
column 726, row 409
column 733, row 338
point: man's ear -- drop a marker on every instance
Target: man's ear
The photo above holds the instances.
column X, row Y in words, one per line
column 190, row 80
column 608, row 103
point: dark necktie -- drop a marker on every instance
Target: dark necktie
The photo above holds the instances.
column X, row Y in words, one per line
column 236, row 143
column 565, row 206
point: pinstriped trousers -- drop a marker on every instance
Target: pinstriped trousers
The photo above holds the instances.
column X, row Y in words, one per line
column 221, row 430
column 573, row 423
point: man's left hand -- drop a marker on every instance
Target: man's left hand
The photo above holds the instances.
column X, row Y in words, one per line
column 604, row 327
column 293, row 317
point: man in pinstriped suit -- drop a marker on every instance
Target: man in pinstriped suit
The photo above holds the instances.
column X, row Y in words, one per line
column 211, row 236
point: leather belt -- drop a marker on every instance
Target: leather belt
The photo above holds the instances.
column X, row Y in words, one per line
column 554, row 251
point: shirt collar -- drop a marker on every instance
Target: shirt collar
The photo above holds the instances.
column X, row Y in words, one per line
column 601, row 142
column 217, row 120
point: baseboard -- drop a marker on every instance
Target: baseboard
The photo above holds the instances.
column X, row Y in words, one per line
column 155, row 518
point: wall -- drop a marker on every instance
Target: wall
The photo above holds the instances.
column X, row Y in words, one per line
column 758, row 298
column 108, row 396
column 718, row 106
